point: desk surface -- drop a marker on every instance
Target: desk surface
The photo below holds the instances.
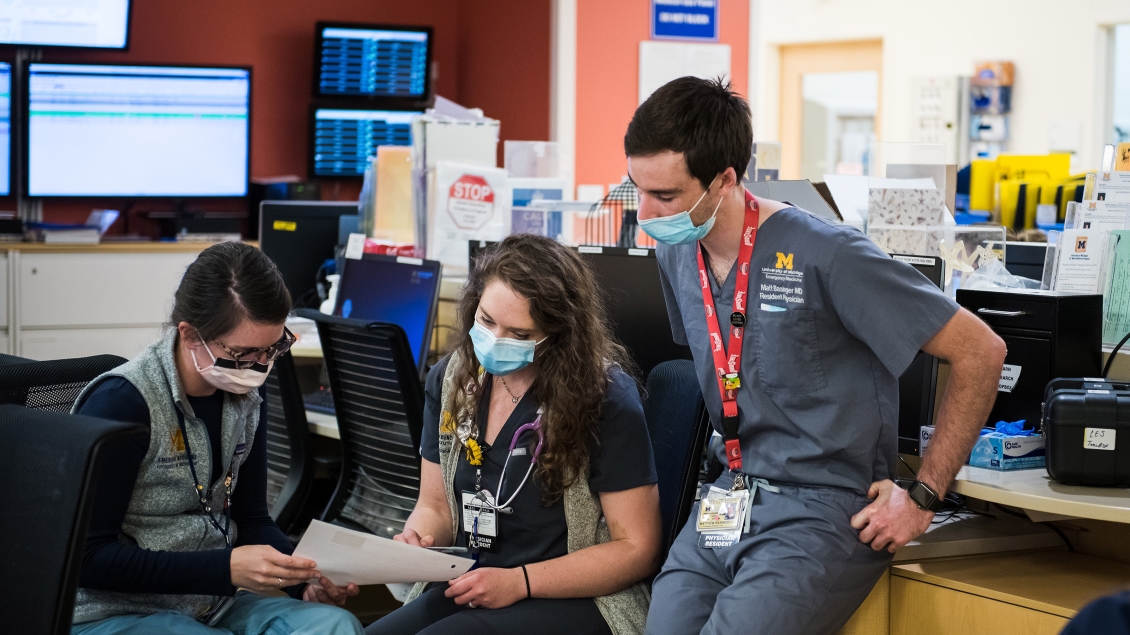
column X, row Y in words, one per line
column 322, row 424
column 1034, row 490
column 1055, row 582
column 108, row 248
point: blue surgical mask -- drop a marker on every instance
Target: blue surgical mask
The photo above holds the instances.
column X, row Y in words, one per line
column 501, row 355
column 678, row 229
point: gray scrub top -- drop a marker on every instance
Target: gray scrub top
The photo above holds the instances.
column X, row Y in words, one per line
column 818, row 402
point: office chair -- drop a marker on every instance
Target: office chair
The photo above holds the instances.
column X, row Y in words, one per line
column 12, row 359
column 290, row 456
column 54, row 384
column 679, row 426
column 379, row 402
column 48, row 464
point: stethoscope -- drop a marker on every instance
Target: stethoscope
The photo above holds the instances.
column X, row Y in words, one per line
column 483, row 495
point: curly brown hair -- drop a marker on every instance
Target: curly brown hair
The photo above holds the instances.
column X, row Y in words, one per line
column 571, row 365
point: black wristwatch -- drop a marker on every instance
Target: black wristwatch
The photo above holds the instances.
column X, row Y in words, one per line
column 925, row 497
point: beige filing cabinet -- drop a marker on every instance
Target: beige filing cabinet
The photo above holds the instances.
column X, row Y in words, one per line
column 76, row 300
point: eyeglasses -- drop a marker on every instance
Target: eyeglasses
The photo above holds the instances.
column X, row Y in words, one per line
column 253, row 357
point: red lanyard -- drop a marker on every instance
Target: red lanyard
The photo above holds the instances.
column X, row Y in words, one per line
column 728, row 369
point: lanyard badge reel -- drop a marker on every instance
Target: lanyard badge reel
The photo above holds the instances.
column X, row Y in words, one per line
column 206, row 497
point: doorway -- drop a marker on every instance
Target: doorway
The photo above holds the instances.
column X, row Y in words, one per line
column 830, row 107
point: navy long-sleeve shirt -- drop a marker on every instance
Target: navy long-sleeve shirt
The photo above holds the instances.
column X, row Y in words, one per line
column 113, row 564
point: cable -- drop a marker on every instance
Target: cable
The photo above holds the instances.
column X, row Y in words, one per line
column 912, row 470
column 1110, row 360
column 1063, row 536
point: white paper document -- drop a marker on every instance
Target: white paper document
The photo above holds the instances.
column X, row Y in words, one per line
column 345, row 556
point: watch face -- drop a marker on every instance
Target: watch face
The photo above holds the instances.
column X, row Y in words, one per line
column 923, row 496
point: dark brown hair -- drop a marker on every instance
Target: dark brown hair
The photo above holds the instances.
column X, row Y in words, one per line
column 703, row 119
column 226, row 284
column 572, row 363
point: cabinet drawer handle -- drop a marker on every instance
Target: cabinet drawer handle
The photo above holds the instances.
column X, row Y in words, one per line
column 984, row 311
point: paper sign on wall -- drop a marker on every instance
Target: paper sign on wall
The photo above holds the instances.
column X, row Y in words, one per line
column 1010, row 374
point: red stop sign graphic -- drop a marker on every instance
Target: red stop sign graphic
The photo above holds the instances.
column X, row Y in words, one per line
column 470, row 202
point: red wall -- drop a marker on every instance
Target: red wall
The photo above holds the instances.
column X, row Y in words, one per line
column 608, row 45
column 491, row 54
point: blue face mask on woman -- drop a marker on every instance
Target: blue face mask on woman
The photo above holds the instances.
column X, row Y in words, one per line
column 678, row 229
column 501, row 355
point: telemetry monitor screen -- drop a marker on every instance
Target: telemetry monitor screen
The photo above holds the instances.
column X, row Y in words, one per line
column 84, row 23
column 345, row 141
column 139, row 131
column 5, row 128
column 376, row 61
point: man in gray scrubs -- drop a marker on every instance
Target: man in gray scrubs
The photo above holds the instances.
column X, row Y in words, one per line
column 798, row 348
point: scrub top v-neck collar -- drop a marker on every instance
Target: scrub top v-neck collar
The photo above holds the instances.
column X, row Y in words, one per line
column 524, row 412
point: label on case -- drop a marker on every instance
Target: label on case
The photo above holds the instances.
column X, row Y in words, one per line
column 1098, row 438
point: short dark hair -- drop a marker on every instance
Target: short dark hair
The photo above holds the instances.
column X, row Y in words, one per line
column 226, row 284
column 703, row 119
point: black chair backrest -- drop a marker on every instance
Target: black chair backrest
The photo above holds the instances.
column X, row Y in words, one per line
column 52, row 385
column 379, row 402
column 290, row 456
column 48, row 463
column 678, row 425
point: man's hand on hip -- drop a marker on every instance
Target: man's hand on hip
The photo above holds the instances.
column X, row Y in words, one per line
column 892, row 519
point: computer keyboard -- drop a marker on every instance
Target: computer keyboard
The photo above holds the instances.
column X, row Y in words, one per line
column 321, row 400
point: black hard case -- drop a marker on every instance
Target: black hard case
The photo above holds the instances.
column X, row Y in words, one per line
column 1048, row 334
column 1070, row 407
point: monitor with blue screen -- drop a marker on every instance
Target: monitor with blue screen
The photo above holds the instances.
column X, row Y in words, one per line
column 5, row 128
column 372, row 61
column 137, row 131
column 82, row 23
column 344, row 141
column 397, row 290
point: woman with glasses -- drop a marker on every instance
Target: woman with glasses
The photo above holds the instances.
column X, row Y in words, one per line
column 180, row 523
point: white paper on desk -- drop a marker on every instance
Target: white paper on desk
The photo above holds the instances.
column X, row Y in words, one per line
column 345, row 556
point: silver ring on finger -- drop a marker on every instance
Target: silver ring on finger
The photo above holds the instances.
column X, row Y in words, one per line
column 280, row 583
column 471, row 605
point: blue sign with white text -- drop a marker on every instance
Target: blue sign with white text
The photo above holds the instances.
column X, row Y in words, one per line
column 684, row 19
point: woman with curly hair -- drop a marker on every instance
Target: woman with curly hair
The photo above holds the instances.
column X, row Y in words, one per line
column 536, row 459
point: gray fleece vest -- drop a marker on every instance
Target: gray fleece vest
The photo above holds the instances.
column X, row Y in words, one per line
column 164, row 511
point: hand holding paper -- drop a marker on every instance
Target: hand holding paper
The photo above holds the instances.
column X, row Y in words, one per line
column 345, row 556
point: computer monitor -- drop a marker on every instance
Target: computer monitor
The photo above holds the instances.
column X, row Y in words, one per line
column 918, row 383
column 137, row 131
column 378, row 62
column 343, row 142
column 300, row 236
column 5, row 128
column 394, row 289
column 635, row 303
column 86, row 23
column 633, row 300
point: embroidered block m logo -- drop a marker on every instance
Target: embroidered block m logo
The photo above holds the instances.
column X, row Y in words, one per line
column 783, row 261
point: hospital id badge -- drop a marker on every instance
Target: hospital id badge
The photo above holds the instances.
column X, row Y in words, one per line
column 480, row 521
column 722, row 510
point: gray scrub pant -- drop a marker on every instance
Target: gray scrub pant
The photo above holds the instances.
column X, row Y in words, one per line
column 800, row 569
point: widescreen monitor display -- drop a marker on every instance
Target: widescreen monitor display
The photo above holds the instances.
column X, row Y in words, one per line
column 5, row 128
column 400, row 291
column 372, row 61
column 79, row 23
column 137, row 131
column 345, row 141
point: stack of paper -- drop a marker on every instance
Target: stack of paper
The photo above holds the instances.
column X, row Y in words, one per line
column 345, row 556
